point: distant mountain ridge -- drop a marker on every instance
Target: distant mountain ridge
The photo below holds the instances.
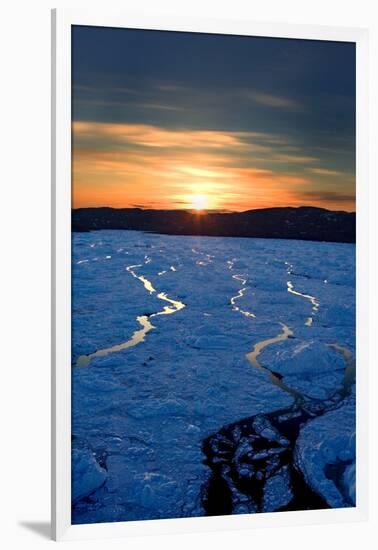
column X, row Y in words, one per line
column 305, row 222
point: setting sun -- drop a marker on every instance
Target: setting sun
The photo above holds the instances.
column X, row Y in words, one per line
column 199, row 202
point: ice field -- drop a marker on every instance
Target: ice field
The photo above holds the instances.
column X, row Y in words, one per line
column 210, row 376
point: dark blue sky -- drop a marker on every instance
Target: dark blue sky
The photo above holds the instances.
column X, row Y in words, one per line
column 298, row 93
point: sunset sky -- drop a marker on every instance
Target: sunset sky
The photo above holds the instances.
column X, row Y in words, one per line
column 181, row 120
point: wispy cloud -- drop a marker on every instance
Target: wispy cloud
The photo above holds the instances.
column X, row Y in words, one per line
column 274, row 101
column 297, row 159
column 132, row 105
column 326, row 172
column 154, row 136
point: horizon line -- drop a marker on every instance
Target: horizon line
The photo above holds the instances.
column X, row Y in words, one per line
column 209, row 211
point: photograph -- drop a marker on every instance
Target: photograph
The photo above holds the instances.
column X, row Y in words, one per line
column 213, row 274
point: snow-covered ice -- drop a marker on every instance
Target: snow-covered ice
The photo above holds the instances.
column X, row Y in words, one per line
column 325, row 453
column 161, row 329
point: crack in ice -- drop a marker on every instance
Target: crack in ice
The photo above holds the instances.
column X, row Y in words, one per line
column 239, row 295
column 138, row 336
column 258, row 348
column 309, row 297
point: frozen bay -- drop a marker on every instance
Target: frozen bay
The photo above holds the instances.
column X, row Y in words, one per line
column 162, row 329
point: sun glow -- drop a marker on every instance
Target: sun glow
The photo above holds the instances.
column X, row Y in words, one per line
column 199, row 202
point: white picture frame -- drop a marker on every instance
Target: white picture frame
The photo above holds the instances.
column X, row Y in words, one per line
column 62, row 20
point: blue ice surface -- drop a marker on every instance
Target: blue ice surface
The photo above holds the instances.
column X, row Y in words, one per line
column 139, row 415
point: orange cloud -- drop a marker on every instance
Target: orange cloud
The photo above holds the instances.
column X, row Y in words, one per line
column 152, row 136
column 121, row 165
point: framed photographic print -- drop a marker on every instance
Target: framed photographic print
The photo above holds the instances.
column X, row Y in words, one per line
column 209, row 292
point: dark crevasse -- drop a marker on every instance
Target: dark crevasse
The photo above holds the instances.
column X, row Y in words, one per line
column 253, row 467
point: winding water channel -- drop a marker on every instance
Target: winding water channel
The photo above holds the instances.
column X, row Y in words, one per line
column 139, row 335
column 239, row 295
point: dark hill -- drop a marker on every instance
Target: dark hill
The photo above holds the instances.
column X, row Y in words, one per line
column 306, row 222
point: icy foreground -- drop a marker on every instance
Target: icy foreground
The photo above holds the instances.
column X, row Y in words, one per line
column 211, row 370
